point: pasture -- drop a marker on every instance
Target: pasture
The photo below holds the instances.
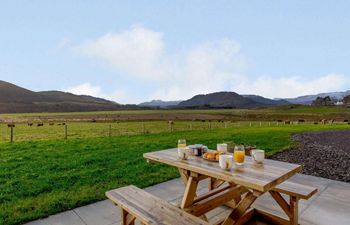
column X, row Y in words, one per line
column 39, row 178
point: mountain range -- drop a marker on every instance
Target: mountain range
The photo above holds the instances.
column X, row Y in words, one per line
column 15, row 99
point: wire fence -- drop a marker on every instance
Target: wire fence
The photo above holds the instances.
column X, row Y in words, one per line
column 52, row 131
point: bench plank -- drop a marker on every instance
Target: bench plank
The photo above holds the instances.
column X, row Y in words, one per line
column 150, row 209
column 295, row 189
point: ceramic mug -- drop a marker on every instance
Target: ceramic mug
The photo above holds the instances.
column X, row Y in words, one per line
column 258, row 155
column 182, row 153
column 225, row 161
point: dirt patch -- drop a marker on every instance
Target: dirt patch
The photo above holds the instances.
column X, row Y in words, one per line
column 324, row 154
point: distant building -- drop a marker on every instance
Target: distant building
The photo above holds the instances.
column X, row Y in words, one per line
column 346, row 100
column 339, row 103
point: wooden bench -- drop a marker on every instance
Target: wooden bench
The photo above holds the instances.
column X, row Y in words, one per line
column 293, row 189
column 138, row 204
column 296, row 191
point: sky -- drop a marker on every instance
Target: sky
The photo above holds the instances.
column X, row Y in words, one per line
column 136, row 51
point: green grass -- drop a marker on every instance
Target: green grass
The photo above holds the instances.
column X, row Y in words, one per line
column 40, row 178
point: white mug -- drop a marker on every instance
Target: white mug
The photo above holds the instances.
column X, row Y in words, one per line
column 225, row 161
column 221, row 147
column 258, row 155
column 182, row 153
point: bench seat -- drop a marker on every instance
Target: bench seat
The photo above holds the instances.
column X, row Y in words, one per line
column 298, row 190
column 139, row 204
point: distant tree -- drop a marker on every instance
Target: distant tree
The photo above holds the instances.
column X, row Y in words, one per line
column 326, row 101
column 346, row 100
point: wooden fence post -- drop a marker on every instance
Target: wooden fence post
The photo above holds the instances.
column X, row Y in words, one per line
column 225, row 124
column 11, row 134
column 109, row 130
column 143, row 128
column 65, row 131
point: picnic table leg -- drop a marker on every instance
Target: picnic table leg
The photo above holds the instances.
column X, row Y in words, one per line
column 215, row 183
column 127, row 218
column 293, row 202
column 241, row 208
column 290, row 209
column 186, row 201
column 190, row 192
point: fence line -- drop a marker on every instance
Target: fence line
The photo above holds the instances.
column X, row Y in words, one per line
column 20, row 132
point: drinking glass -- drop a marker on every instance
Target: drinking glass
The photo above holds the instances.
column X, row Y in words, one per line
column 181, row 149
column 181, row 143
column 239, row 155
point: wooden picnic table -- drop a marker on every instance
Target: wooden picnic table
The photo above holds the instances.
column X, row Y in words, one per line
column 237, row 188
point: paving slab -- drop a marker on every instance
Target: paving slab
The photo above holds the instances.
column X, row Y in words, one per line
column 331, row 205
column 64, row 218
column 327, row 211
column 100, row 213
column 338, row 190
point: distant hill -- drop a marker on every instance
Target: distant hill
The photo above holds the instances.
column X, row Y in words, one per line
column 229, row 100
column 15, row 99
column 308, row 99
column 267, row 101
column 159, row 103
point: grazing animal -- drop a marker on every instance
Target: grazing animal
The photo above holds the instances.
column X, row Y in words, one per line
column 10, row 125
column 93, row 120
column 30, row 124
column 323, row 121
column 315, row 122
column 287, row 122
column 345, row 121
column 63, row 124
column 331, row 121
column 51, row 124
column 280, row 121
column 40, row 125
column 301, row 121
column 170, row 122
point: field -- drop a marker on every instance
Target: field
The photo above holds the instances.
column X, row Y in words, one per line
column 42, row 172
column 117, row 123
column 289, row 112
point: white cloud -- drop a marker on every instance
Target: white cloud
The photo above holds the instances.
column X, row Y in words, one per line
column 119, row 95
column 293, row 86
column 139, row 53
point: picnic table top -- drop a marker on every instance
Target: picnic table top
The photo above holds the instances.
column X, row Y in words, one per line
column 260, row 177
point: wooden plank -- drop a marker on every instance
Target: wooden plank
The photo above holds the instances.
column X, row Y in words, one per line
column 246, row 217
column 215, row 183
column 211, row 193
column 260, row 177
column 205, row 205
column 270, row 218
column 294, row 210
column 296, row 189
column 184, row 175
column 190, row 192
column 150, row 209
column 127, row 218
column 241, row 208
column 281, row 202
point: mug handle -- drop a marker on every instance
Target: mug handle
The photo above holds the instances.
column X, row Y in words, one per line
column 253, row 155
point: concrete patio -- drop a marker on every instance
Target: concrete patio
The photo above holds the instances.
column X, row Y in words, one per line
column 331, row 205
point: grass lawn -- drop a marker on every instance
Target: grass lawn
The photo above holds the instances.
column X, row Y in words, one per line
column 40, row 178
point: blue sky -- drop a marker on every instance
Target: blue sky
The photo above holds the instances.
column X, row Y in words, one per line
column 133, row 51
